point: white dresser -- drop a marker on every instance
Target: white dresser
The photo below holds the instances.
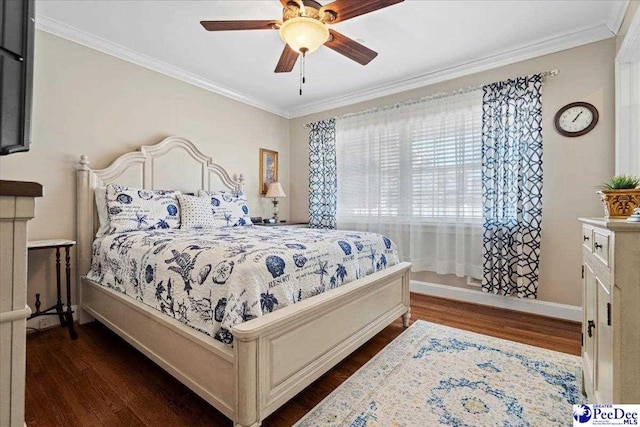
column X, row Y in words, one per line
column 17, row 206
column 611, row 306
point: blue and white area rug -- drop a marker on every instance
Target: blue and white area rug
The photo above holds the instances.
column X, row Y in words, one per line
column 435, row 375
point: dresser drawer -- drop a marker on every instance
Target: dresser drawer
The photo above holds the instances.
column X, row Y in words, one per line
column 601, row 246
column 587, row 237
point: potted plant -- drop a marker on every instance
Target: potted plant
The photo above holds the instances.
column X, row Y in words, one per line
column 620, row 196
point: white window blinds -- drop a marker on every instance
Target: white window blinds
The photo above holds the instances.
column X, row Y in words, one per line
column 414, row 172
column 419, row 162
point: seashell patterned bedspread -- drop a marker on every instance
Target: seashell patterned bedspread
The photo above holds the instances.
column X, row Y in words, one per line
column 214, row 279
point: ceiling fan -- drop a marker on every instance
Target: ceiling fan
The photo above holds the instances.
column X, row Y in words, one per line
column 304, row 29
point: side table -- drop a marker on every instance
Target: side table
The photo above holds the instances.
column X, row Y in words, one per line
column 65, row 316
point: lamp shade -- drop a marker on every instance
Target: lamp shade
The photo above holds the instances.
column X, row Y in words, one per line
column 304, row 33
column 275, row 190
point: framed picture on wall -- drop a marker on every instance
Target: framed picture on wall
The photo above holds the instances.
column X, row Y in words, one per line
column 268, row 169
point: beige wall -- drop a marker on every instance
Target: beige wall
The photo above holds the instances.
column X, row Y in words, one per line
column 573, row 167
column 88, row 102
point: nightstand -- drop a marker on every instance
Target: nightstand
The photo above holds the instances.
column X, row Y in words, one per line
column 65, row 316
column 284, row 224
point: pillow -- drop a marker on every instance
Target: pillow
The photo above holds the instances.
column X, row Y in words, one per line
column 133, row 209
column 103, row 213
column 229, row 208
column 195, row 212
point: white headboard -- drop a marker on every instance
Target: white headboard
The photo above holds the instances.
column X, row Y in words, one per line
column 174, row 163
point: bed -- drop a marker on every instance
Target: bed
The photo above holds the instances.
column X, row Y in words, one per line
column 273, row 356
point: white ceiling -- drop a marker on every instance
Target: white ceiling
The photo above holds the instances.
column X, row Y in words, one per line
column 418, row 42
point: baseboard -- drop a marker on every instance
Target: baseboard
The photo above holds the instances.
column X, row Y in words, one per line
column 51, row 321
column 543, row 308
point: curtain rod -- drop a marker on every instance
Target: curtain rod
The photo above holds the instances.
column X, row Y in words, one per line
column 550, row 73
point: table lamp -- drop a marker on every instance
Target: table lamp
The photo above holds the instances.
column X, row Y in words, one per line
column 275, row 190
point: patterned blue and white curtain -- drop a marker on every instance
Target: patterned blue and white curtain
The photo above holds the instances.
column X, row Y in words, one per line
column 322, row 174
column 512, row 186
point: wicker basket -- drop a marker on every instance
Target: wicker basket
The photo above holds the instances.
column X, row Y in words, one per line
column 619, row 203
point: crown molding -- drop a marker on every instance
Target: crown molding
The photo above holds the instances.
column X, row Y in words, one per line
column 616, row 16
column 544, row 47
column 84, row 38
column 630, row 48
column 540, row 48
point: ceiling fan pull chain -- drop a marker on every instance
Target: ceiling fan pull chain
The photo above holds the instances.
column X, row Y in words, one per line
column 303, row 79
column 304, row 51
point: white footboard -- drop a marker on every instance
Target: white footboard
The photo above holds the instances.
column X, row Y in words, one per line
column 274, row 356
column 280, row 354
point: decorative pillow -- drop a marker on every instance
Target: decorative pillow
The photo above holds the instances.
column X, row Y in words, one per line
column 196, row 212
column 133, row 209
column 229, row 208
column 101, row 207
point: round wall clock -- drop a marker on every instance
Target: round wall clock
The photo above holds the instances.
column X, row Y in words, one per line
column 576, row 119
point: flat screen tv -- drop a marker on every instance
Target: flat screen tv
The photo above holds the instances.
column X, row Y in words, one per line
column 17, row 26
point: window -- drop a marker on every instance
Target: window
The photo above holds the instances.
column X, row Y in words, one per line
column 419, row 162
column 413, row 173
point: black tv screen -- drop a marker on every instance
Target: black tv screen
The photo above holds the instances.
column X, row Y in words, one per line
column 16, row 74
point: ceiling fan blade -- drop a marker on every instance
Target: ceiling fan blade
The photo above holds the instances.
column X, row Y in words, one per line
column 238, row 25
column 287, row 60
column 350, row 48
column 347, row 9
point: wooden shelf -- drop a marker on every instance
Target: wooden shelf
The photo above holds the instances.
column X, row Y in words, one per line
column 20, row 189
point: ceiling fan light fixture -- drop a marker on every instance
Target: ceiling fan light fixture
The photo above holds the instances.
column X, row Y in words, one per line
column 302, row 33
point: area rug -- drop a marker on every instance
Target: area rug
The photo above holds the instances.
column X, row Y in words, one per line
column 435, row 375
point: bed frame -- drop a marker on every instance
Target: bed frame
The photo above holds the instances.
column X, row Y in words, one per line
column 274, row 356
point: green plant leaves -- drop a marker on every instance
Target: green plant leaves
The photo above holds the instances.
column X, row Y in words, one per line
column 621, row 182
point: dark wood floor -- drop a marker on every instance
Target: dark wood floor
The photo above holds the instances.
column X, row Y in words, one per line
column 99, row 380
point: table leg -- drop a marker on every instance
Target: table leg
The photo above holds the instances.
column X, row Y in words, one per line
column 69, row 313
column 59, row 308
